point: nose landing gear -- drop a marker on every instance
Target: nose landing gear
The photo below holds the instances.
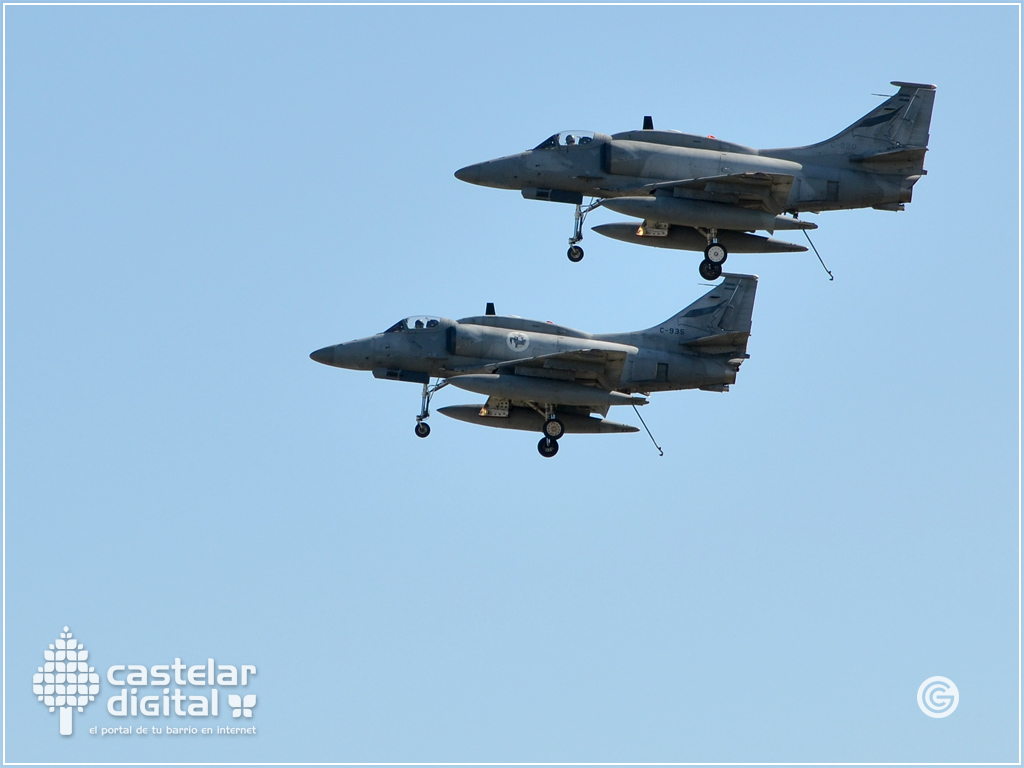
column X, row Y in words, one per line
column 422, row 428
column 575, row 253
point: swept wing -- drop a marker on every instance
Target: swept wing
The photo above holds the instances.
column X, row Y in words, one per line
column 594, row 367
column 759, row 191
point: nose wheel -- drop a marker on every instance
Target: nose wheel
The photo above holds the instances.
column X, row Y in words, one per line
column 422, row 429
column 575, row 254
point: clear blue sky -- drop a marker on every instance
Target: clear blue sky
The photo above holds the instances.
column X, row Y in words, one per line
column 197, row 197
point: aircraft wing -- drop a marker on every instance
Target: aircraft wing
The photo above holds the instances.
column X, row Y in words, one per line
column 767, row 192
column 600, row 367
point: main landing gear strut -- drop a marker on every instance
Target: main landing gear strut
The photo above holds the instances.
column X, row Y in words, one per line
column 553, row 429
column 714, row 256
column 422, row 428
column 575, row 253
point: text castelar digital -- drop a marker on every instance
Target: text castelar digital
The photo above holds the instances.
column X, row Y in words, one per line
column 136, row 676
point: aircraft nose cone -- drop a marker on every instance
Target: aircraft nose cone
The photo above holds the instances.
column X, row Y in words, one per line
column 325, row 356
column 470, row 174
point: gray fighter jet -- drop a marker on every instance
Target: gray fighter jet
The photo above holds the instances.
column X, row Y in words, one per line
column 700, row 193
column 547, row 378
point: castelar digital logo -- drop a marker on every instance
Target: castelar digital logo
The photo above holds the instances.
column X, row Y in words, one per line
column 161, row 699
column 66, row 680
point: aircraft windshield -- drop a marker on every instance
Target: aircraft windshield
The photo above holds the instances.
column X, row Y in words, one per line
column 567, row 139
column 414, row 323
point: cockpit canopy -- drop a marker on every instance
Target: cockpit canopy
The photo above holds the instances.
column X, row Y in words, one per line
column 567, row 139
column 415, row 323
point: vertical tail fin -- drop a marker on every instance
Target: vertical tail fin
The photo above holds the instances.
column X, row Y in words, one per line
column 723, row 311
column 895, row 132
column 901, row 121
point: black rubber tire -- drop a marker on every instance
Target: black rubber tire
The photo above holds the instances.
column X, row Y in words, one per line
column 547, row 447
column 709, row 271
column 422, row 429
column 575, row 254
column 554, row 429
column 718, row 248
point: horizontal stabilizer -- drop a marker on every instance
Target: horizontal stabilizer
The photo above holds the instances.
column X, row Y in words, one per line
column 718, row 341
column 906, row 155
column 908, row 160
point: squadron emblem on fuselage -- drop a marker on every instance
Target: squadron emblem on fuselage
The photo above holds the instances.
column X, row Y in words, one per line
column 517, row 341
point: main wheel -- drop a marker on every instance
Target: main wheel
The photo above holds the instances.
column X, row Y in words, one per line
column 575, row 253
column 547, row 447
column 554, row 429
column 422, row 429
column 709, row 271
column 716, row 253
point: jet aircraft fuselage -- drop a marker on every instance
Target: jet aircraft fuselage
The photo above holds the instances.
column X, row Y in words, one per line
column 626, row 163
column 441, row 348
column 700, row 193
column 544, row 377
